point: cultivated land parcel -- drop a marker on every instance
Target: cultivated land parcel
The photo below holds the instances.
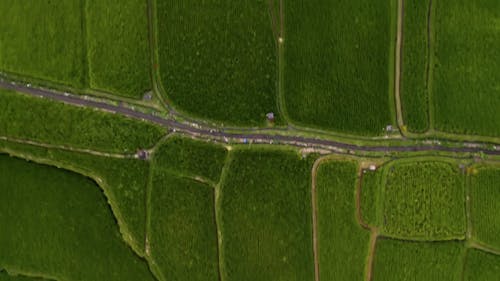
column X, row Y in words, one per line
column 371, row 167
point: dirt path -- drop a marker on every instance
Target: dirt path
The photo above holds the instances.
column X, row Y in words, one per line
column 274, row 20
column 397, row 78
column 371, row 254
column 314, row 174
column 68, row 148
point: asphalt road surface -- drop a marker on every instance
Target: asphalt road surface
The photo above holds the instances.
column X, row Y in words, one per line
column 216, row 133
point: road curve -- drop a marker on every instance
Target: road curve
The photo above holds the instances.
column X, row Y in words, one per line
column 216, row 133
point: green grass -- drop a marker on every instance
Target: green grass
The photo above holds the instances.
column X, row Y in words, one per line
column 371, row 187
column 414, row 94
column 4, row 276
column 417, row 261
column 424, row 200
column 190, row 157
column 337, row 61
column 265, row 217
column 118, row 49
column 342, row 243
column 466, row 85
column 41, row 120
column 218, row 59
column 182, row 235
column 124, row 182
column 44, row 39
column 481, row 266
column 57, row 223
column 485, row 206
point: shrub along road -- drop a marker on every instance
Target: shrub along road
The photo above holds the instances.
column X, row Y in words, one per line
column 217, row 133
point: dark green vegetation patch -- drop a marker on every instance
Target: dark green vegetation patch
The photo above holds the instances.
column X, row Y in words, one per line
column 415, row 69
column 481, row 266
column 418, row 261
column 485, row 206
column 342, row 243
column 186, row 156
column 424, row 200
column 42, row 120
column 265, row 217
column 337, row 61
column 371, row 187
column 44, row 39
column 58, row 224
column 218, row 59
column 466, row 85
column 118, row 50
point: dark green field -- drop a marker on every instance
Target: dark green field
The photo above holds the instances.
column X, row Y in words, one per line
column 265, row 212
column 415, row 62
column 186, row 156
column 343, row 244
column 418, row 261
column 485, row 206
column 44, row 40
column 337, row 65
column 218, row 59
column 371, row 187
column 466, row 82
column 118, row 50
column 424, row 200
column 41, row 120
column 481, row 266
column 58, row 224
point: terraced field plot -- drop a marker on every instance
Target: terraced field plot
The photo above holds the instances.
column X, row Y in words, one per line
column 218, row 59
column 338, row 64
column 118, row 50
column 51, row 218
column 424, row 200
column 45, row 40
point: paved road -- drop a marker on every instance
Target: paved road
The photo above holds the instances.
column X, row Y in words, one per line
column 215, row 133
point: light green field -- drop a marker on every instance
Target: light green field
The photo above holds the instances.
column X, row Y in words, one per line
column 424, row 200
column 485, row 205
column 56, row 223
column 186, row 156
column 32, row 118
column 218, row 59
column 418, row 261
column 118, row 50
column 265, row 217
column 44, row 40
column 342, row 243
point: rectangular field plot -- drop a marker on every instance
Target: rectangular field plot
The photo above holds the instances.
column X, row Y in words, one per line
column 218, row 59
column 44, row 39
column 424, row 200
column 415, row 63
column 182, row 235
column 118, row 50
column 481, row 266
column 265, row 217
column 371, row 187
column 42, row 120
column 186, row 156
column 466, row 80
column 337, row 64
column 417, row 261
column 342, row 243
column 485, row 205
column 58, row 224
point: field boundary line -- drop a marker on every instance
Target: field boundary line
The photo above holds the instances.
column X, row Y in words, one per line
column 429, row 70
column 398, row 59
column 15, row 273
column 371, row 254
column 314, row 173
column 482, row 247
column 217, row 215
column 359, row 214
column 69, row 148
